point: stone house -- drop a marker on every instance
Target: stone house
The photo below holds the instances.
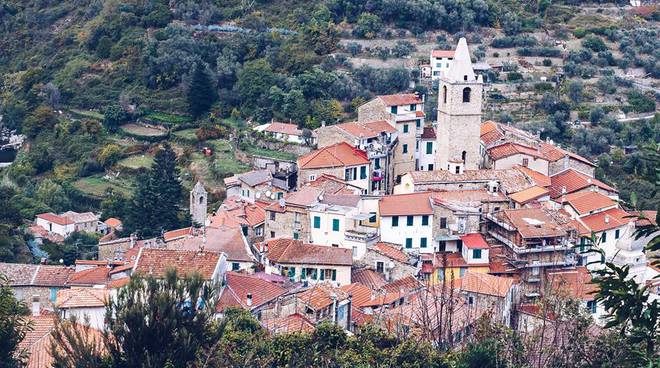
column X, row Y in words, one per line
column 68, row 222
column 85, row 304
column 391, row 261
column 287, row 132
column 249, row 217
column 440, row 61
column 154, row 262
column 341, row 160
column 493, row 293
column 250, row 292
column 289, row 217
column 571, row 181
column 256, row 185
column 42, row 281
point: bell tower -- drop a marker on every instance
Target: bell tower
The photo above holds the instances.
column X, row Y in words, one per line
column 198, row 204
column 459, row 114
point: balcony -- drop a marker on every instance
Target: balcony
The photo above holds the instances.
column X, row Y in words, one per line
column 362, row 236
column 564, row 246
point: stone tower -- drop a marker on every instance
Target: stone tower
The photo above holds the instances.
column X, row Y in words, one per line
column 459, row 114
column 198, row 203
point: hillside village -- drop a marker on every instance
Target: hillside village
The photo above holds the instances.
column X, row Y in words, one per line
column 422, row 225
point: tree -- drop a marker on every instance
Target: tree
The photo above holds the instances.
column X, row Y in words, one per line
column 41, row 120
column 596, row 115
column 103, row 47
column 14, row 325
column 113, row 116
column 368, row 25
column 201, row 92
column 156, row 323
column 594, row 43
column 254, row 82
column 574, row 91
column 52, row 195
column 109, row 155
column 639, row 102
column 75, row 344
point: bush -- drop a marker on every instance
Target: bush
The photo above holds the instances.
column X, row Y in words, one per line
column 353, row 48
column 539, row 51
column 514, row 76
column 596, row 115
column 639, row 102
column 579, row 32
column 368, row 26
column 594, row 43
column 547, row 62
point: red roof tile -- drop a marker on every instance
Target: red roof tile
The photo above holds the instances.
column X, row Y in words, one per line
column 573, row 181
column 290, row 324
column 284, row 128
column 510, row 149
column 336, row 155
column 331, row 184
column 442, row 53
column 320, row 296
column 154, row 262
column 606, row 220
column 406, row 204
column 448, row 259
column 81, row 298
column 540, row 179
column 585, row 202
column 482, row 283
column 554, row 153
column 236, row 212
column 93, row 276
column 400, row 99
column 529, row 194
column 575, row 283
column 474, row 241
column 532, row 222
column 113, row 222
column 361, row 294
column 217, row 239
column 404, row 284
column 52, row 275
column 392, row 251
column 177, row 234
column 56, row 219
column 290, row 251
column 240, row 285
column 428, row 133
column 368, row 277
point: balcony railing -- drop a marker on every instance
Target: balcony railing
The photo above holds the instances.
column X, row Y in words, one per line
column 360, row 235
column 564, row 246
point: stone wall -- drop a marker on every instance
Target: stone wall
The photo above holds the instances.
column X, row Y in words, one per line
column 284, row 224
column 330, row 135
column 373, row 110
column 399, row 271
column 303, row 174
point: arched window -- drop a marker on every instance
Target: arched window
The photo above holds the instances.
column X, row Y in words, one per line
column 444, row 94
column 201, row 200
column 466, row 94
column 463, row 155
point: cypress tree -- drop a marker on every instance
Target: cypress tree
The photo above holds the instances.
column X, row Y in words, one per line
column 201, row 93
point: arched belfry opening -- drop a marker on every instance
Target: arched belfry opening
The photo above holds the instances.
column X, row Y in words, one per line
column 466, row 94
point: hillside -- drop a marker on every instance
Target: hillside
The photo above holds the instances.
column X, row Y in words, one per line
column 97, row 85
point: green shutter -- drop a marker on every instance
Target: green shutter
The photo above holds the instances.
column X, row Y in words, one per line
column 410, row 220
column 422, row 243
column 408, row 242
column 395, row 221
column 335, row 224
column 334, row 275
column 429, row 148
column 476, row 253
column 425, row 220
column 363, row 172
column 405, row 128
column 322, row 273
column 303, row 273
column 314, row 274
column 317, row 222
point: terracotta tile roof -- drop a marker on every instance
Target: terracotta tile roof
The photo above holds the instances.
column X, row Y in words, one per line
column 337, row 155
column 331, row 184
column 113, row 222
column 228, row 240
column 320, row 296
column 118, row 283
column 510, row 149
column 540, row 179
column 52, row 275
column 123, row 268
column 386, row 299
column 405, row 284
column 284, row 128
column 575, row 283
column 606, row 220
column 368, row 277
column 305, row 197
column 56, row 219
column 442, row 53
column 406, row 204
column 392, row 251
column 344, row 200
column 235, row 212
column 554, row 153
column 573, row 181
column 400, row 99
column 359, row 317
column 177, row 234
column 154, row 262
column 290, row 324
column 428, row 133
column 360, row 293
column 19, row 274
column 467, row 197
column 240, row 285
column 450, row 259
column 366, row 129
column 529, row 194
column 93, row 276
column 585, row 202
column 380, row 126
column 482, row 283
column 82, row 298
column 532, row 222
column 474, row 241
column 420, row 114
column 290, row 251
column 491, row 137
column 650, row 217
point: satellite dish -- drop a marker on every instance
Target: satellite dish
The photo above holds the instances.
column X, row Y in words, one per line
column 282, row 202
column 258, row 195
column 272, row 196
column 268, row 193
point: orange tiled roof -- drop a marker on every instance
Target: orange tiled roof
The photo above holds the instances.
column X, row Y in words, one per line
column 400, row 99
column 99, row 275
column 406, row 204
column 240, row 285
column 368, row 277
column 118, row 283
column 291, row 251
column 52, row 275
column 112, row 222
column 474, row 241
column 428, row 133
column 367, row 129
column 337, row 155
column 290, row 324
column 56, row 219
column 81, row 298
column 474, row 196
column 284, row 128
column 331, row 184
column 540, row 179
column 585, row 202
column 482, row 283
column 176, row 234
column 235, row 212
column 532, row 222
column 392, row 251
column 360, row 293
column 450, row 259
column 217, row 239
column 510, row 149
column 529, row 194
column 606, row 220
column 574, row 283
column 573, row 181
column 554, row 153
column 154, row 262
column 442, row 53
column 320, row 296
column 405, row 284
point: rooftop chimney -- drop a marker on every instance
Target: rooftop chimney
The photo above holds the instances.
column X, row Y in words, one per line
column 607, row 219
column 36, row 306
column 249, row 300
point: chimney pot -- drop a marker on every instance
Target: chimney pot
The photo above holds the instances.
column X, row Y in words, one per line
column 249, row 299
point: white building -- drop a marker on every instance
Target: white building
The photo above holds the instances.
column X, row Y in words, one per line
column 85, row 304
column 426, row 149
column 407, row 219
column 440, row 61
column 68, row 222
column 287, row 133
column 338, row 221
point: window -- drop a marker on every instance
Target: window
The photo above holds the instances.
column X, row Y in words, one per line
column 476, row 253
column 430, row 167
column 416, row 146
column 443, row 222
column 350, row 174
column 463, row 156
column 335, row 224
column 314, row 274
column 466, row 93
column 418, row 123
column 458, row 169
column 363, row 172
column 423, row 243
column 280, row 195
column 425, row 220
column 380, row 267
column 583, row 241
column 303, row 273
column 312, row 177
column 617, row 233
column 465, row 77
column 405, row 148
column 395, row 221
column 444, row 94
column 413, row 107
column 235, row 266
column 525, row 162
column 410, row 220
column 591, row 306
column 408, row 242
column 259, row 231
column 463, row 270
column 429, row 148
column 442, row 246
column 441, row 274
column 272, row 234
column 377, row 163
column 372, row 217
column 405, row 128
column 317, row 222
column 393, row 109
column 603, row 238
column 334, row 275
column 244, row 229
column 272, row 215
column 459, row 245
column 296, row 236
column 470, row 300
column 322, row 274
column 53, row 294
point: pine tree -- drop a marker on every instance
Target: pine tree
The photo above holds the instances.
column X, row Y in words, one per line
column 201, row 93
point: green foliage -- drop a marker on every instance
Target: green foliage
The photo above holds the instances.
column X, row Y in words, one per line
column 201, row 93
column 14, row 324
column 594, row 43
column 75, row 344
column 113, row 116
column 42, row 119
column 368, row 25
column 639, row 102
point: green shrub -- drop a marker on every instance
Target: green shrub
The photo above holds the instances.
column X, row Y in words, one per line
column 579, row 32
column 547, row 62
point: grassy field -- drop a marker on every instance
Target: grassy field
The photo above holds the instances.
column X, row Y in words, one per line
column 187, row 134
column 88, row 114
column 166, row 117
column 137, row 162
column 96, row 186
column 252, row 150
column 143, row 130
